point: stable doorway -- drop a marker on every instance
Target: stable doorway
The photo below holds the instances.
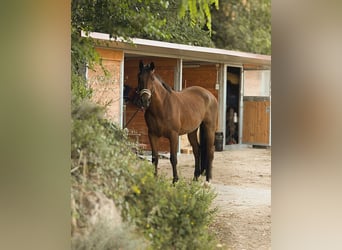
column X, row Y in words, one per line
column 233, row 88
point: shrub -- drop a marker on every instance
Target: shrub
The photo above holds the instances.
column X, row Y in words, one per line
column 171, row 216
column 100, row 152
column 107, row 237
column 79, row 89
column 100, row 158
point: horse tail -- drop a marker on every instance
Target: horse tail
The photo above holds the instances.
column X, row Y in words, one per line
column 203, row 149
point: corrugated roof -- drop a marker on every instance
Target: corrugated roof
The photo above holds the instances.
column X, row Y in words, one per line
column 165, row 49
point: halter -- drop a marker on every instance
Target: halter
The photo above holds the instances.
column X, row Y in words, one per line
column 148, row 69
column 147, row 92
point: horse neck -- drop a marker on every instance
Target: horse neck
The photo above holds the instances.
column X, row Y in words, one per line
column 158, row 97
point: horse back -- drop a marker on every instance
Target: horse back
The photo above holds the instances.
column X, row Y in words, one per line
column 200, row 99
column 196, row 104
column 198, row 93
column 182, row 112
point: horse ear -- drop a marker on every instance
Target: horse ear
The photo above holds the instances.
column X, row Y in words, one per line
column 152, row 66
column 141, row 65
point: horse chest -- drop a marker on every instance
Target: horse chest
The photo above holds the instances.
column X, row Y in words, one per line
column 159, row 125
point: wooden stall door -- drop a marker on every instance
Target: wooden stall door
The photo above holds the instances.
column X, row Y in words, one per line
column 256, row 122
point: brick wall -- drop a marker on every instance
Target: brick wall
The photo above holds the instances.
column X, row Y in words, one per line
column 106, row 87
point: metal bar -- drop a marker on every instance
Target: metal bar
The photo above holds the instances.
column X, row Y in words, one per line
column 242, row 82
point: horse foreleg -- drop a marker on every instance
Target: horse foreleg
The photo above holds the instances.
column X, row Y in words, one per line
column 154, row 146
column 173, row 155
column 195, row 149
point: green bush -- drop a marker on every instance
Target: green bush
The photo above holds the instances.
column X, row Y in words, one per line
column 171, row 216
column 107, row 237
column 100, row 152
column 100, row 159
column 79, row 89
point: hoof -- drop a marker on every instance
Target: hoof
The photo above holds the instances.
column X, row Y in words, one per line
column 175, row 180
column 206, row 184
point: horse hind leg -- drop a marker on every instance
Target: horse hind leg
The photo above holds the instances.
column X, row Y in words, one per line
column 210, row 159
column 209, row 126
column 195, row 149
column 208, row 137
column 211, row 149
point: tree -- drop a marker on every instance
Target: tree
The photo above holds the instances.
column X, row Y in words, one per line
column 199, row 11
column 243, row 25
column 171, row 21
column 115, row 17
column 184, row 27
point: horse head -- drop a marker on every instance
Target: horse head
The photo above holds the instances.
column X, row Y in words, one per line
column 145, row 80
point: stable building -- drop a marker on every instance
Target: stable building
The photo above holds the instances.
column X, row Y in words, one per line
column 240, row 81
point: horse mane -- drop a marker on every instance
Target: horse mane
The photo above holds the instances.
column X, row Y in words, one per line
column 165, row 85
column 150, row 68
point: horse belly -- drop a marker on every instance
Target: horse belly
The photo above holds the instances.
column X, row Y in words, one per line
column 189, row 123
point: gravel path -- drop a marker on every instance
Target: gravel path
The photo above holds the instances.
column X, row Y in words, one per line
column 242, row 180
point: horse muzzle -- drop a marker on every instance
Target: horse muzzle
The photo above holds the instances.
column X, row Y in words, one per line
column 145, row 95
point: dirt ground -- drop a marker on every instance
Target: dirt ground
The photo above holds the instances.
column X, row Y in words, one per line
column 242, row 180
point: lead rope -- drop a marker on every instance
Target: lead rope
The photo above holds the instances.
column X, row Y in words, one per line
column 132, row 117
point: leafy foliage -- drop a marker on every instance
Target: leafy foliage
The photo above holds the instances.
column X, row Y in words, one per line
column 199, row 11
column 243, row 25
column 100, row 152
column 108, row 237
column 119, row 18
column 173, row 217
column 152, row 19
column 102, row 160
column 79, row 90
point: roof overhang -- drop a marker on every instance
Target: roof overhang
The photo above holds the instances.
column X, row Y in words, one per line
column 173, row 50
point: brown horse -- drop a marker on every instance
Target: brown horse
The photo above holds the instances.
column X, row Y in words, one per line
column 169, row 114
